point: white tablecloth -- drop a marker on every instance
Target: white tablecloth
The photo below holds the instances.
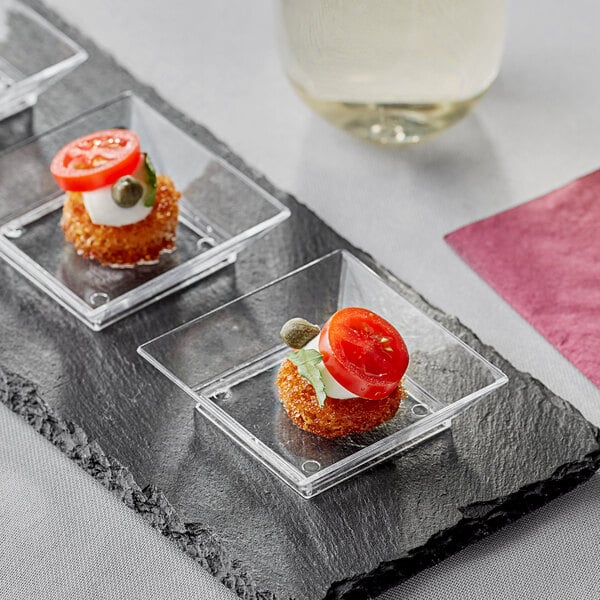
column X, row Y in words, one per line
column 63, row 535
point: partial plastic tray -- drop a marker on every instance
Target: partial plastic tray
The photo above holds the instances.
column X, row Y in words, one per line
column 228, row 360
column 33, row 55
column 221, row 211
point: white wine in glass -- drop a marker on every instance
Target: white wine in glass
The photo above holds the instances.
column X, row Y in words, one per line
column 392, row 71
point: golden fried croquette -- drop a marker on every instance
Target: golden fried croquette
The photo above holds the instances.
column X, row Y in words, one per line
column 128, row 245
column 337, row 417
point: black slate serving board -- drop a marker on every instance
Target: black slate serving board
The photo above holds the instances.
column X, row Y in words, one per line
column 130, row 428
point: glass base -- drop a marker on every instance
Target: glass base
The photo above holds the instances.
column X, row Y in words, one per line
column 390, row 124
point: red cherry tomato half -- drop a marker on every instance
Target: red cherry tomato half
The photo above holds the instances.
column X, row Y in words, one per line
column 363, row 352
column 96, row 159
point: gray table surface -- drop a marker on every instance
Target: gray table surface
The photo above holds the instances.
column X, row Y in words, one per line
column 63, row 535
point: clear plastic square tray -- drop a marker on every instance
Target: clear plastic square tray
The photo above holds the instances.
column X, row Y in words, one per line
column 221, row 211
column 228, row 360
column 33, row 55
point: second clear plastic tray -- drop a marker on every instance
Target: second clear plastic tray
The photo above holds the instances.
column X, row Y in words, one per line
column 221, row 211
column 33, row 55
column 228, row 360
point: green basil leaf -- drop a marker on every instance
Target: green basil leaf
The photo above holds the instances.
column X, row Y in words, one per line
column 307, row 362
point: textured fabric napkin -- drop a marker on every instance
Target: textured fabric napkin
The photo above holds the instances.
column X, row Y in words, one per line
column 543, row 257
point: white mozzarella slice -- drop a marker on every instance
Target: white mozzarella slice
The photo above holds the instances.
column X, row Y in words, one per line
column 103, row 210
column 332, row 388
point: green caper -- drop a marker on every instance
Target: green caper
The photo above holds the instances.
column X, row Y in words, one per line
column 297, row 332
column 127, row 191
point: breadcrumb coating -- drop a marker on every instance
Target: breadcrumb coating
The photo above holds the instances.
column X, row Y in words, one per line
column 128, row 245
column 337, row 417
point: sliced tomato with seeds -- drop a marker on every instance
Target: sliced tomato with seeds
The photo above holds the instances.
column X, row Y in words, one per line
column 363, row 352
column 96, row 160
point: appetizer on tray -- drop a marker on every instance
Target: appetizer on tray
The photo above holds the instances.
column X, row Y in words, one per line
column 345, row 378
column 117, row 210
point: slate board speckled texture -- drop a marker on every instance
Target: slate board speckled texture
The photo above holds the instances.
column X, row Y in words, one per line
column 120, row 420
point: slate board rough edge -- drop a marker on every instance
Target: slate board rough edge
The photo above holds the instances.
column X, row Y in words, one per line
column 20, row 395
column 479, row 520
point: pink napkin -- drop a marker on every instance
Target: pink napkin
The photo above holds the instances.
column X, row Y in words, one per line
column 543, row 257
